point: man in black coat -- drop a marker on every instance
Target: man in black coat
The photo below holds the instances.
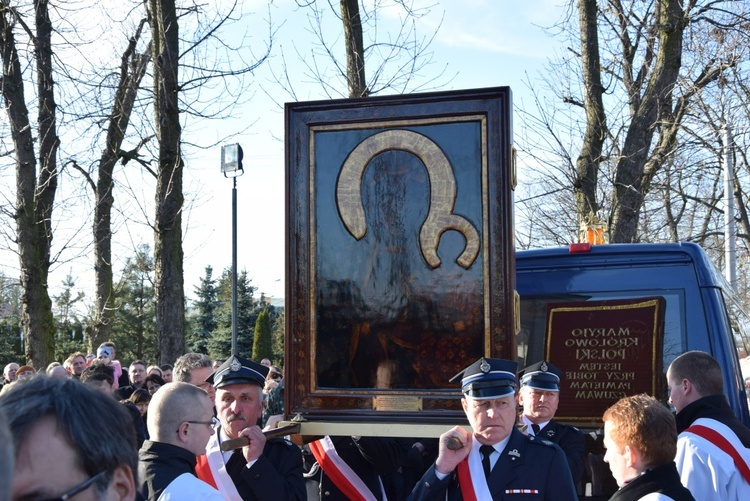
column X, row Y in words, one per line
column 540, row 395
column 101, row 377
column 263, row 469
column 180, row 422
column 494, row 460
column 137, row 375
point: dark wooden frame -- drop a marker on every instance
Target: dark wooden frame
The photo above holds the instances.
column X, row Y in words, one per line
column 487, row 110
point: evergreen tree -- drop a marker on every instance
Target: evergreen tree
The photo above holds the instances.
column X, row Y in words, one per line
column 134, row 329
column 11, row 346
column 263, row 343
column 248, row 310
column 277, row 335
column 203, row 323
column 69, row 337
column 220, row 344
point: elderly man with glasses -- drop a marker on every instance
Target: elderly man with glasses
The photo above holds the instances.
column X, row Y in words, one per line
column 180, row 422
column 69, row 441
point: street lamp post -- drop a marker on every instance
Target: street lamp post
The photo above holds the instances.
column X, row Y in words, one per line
column 231, row 166
column 730, row 256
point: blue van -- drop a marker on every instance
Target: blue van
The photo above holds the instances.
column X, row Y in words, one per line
column 613, row 317
column 700, row 312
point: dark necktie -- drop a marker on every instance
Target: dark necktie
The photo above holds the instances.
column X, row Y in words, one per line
column 535, row 428
column 237, row 460
column 486, row 450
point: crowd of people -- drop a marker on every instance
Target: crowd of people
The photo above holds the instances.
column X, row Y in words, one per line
column 195, row 430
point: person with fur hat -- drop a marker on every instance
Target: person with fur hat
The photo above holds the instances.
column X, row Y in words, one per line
column 262, row 469
column 539, row 395
column 494, row 460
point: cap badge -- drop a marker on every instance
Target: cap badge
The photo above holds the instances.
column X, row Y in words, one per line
column 235, row 365
column 514, row 453
column 484, row 366
column 544, row 367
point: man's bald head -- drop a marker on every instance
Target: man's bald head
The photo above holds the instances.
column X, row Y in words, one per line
column 173, row 405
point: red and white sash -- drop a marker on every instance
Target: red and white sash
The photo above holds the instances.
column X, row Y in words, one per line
column 724, row 438
column 211, row 469
column 340, row 473
column 471, row 477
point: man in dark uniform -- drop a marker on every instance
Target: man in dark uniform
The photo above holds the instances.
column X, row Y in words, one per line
column 495, row 460
column 539, row 395
column 263, row 469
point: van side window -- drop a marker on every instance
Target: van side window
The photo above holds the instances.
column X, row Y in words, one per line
column 532, row 340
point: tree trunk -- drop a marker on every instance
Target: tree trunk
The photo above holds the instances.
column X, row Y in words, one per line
column 132, row 70
column 587, row 164
column 355, row 49
column 655, row 103
column 34, row 201
column 168, row 255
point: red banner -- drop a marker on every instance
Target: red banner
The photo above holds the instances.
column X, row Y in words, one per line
column 607, row 350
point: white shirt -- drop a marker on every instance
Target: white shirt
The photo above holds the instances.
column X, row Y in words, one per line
column 187, row 487
column 475, row 457
column 528, row 423
column 706, row 470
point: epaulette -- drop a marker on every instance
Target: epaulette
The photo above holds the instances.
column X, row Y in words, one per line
column 281, row 440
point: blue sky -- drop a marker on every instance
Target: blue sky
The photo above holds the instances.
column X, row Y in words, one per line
column 481, row 43
column 485, row 43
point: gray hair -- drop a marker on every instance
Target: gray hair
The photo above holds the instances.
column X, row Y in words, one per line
column 7, row 367
column 186, row 363
column 171, row 406
column 98, row 428
column 6, row 459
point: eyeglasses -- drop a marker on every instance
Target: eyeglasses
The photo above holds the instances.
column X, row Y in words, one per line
column 210, row 424
column 79, row 488
column 276, row 376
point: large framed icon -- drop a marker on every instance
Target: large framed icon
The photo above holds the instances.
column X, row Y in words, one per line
column 400, row 264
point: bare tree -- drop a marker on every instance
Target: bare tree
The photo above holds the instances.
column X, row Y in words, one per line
column 87, row 93
column 370, row 59
column 168, row 254
column 172, row 99
column 587, row 165
column 656, row 60
column 355, row 48
column 34, row 196
column 132, row 70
